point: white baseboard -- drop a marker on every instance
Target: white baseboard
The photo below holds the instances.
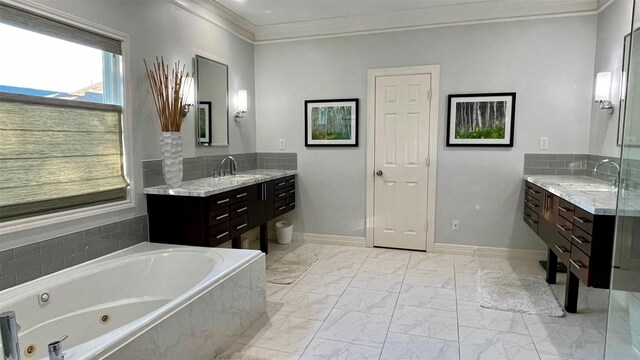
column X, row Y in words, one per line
column 487, row 251
column 330, row 239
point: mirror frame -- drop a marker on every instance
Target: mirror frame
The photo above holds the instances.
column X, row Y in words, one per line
column 197, row 103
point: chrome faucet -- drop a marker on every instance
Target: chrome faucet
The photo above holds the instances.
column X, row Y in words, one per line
column 608, row 162
column 9, row 331
column 55, row 349
column 233, row 166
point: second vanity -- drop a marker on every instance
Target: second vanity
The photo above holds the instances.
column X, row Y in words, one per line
column 212, row 211
column 575, row 217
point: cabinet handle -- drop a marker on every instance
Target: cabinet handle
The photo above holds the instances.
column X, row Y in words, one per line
column 282, row 208
column 578, row 265
column 281, row 195
column 292, row 204
column 222, row 201
column 241, row 195
column 291, row 191
column 531, row 221
column 531, row 191
column 222, row 235
column 241, row 226
column 579, row 240
column 563, row 209
column 281, row 184
column 241, row 209
column 531, row 204
column 562, row 227
column 581, row 220
column 222, row 216
column 292, row 180
column 562, row 251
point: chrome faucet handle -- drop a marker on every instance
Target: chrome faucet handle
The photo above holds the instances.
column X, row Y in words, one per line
column 9, row 333
column 55, row 349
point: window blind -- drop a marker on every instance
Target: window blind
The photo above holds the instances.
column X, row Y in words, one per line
column 44, row 25
column 58, row 154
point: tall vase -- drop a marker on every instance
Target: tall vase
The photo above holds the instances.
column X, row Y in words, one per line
column 171, row 144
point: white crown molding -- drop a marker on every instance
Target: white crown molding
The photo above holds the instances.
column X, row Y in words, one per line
column 440, row 16
column 217, row 14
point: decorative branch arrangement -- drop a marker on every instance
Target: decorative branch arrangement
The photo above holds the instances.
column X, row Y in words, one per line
column 169, row 91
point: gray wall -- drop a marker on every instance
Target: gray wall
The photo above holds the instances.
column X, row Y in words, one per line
column 614, row 23
column 157, row 28
column 548, row 62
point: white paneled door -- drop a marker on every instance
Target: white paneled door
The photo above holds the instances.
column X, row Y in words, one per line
column 402, row 111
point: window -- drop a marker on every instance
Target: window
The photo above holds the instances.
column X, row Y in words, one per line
column 60, row 116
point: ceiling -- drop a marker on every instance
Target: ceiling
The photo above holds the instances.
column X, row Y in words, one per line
column 277, row 20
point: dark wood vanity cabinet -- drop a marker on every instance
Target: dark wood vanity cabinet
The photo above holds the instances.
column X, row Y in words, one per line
column 580, row 240
column 213, row 220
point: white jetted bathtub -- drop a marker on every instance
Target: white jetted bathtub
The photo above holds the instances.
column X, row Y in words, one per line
column 149, row 301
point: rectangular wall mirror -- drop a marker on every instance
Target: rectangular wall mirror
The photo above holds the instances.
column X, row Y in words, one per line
column 212, row 107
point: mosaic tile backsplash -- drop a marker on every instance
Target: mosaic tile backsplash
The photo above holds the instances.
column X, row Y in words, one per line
column 29, row 262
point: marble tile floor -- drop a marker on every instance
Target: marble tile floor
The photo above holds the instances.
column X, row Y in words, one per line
column 362, row 303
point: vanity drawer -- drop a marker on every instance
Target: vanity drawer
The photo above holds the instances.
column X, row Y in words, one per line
column 531, row 218
column 238, row 225
column 582, row 240
column 566, row 209
column 565, row 228
column 280, row 194
column 290, row 200
column 561, row 247
column 291, row 206
column 280, row 183
column 532, row 203
column 220, row 200
column 291, row 180
column 579, row 265
column 238, row 209
column 533, row 191
column 583, row 220
column 218, row 215
column 279, row 210
column 219, row 234
column 239, row 195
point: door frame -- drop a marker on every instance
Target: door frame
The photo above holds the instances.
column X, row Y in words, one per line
column 372, row 74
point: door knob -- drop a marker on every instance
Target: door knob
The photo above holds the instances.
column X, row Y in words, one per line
column 379, row 173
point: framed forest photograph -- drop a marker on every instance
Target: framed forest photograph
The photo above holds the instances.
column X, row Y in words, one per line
column 481, row 119
column 331, row 122
column 204, row 122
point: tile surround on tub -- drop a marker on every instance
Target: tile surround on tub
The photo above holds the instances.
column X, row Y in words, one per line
column 203, row 166
column 29, row 262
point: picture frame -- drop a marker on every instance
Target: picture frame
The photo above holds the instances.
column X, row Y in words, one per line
column 204, row 122
column 481, row 119
column 331, row 122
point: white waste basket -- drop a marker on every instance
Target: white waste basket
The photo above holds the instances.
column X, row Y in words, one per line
column 284, row 232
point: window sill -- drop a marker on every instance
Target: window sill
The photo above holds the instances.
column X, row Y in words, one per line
column 34, row 222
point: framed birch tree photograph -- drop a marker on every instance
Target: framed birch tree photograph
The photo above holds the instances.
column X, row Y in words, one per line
column 331, row 122
column 204, row 122
column 481, row 119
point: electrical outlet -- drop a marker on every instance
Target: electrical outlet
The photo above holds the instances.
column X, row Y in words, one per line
column 282, row 145
column 544, row 143
column 455, row 225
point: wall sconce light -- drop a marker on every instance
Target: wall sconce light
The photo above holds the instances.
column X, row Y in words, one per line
column 603, row 91
column 241, row 104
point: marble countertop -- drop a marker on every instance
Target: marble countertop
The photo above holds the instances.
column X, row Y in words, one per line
column 210, row 186
column 592, row 195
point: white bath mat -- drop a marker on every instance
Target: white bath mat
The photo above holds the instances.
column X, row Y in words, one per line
column 517, row 293
column 290, row 268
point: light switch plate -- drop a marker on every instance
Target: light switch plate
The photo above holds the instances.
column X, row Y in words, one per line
column 282, row 145
column 544, row 143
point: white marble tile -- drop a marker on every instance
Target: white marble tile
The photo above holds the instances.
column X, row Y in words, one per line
column 262, row 353
column 490, row 263
column 433, row 298
column 425, row 322
column 402, row 347
column 491, row 345
column 282, row 333
column 377, row 281
column 303, row 304
column 466, row 279
column 355, row 327
column 619, row 347
column 322, row 284
column 348, row 253
column 384, row 266
column 571, row 341
column 471, row 314
column 471, row 267
column 334, row 267
column 467, row 293
column 390, row 254
column 580, row 320
column 552, row 357
column 424, row 262
column 368, row 301
column 440, row 279
column 321, row 349
column 276, row 291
